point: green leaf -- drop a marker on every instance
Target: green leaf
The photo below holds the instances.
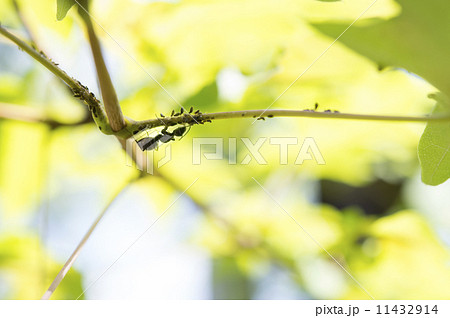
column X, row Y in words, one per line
column 62, row 7
column 434, row 146
column 417, row 40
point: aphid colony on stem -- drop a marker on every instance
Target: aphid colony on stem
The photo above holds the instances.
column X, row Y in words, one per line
column 150, row 138
column 316, row 106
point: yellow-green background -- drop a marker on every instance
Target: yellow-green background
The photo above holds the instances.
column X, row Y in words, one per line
column 225, row 238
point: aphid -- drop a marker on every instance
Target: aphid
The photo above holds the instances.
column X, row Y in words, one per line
column 327, row 111
column 261, row 118
column 191, row 110
column 162, row 115
column 182, row 110
column 336, row 111
column 173, row 112
column 197, row 112
column 316, row 105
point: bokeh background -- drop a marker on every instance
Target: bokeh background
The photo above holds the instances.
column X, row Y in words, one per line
column 225, row 238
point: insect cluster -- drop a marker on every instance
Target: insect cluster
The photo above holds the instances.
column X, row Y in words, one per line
column 188, row 117
column 262, row 117
column 89, row 99
column 316, row 106
column 154, row 137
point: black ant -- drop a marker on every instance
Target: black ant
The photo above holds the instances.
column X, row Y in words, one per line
column 150, row 143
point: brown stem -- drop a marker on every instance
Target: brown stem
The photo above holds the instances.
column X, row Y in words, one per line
column 110, row 100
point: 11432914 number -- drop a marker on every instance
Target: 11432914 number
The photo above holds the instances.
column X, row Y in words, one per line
column 407, row 309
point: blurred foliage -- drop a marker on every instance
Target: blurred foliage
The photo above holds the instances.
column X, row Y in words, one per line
column 230, row 55
column 417, row 41
column 26, row 270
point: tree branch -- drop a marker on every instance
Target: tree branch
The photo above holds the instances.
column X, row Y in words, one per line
column 131, row 127
column 192, row 119
column 34, row 115
column 77, row 88
column 68, row 265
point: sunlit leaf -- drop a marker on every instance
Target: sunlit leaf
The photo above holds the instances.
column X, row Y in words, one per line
column 418, row 40
column 62, row 7
column 434, row 146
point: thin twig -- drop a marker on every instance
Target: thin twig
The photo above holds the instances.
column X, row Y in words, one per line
column 208, row 117
column 315, row 114
column 62, row 273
